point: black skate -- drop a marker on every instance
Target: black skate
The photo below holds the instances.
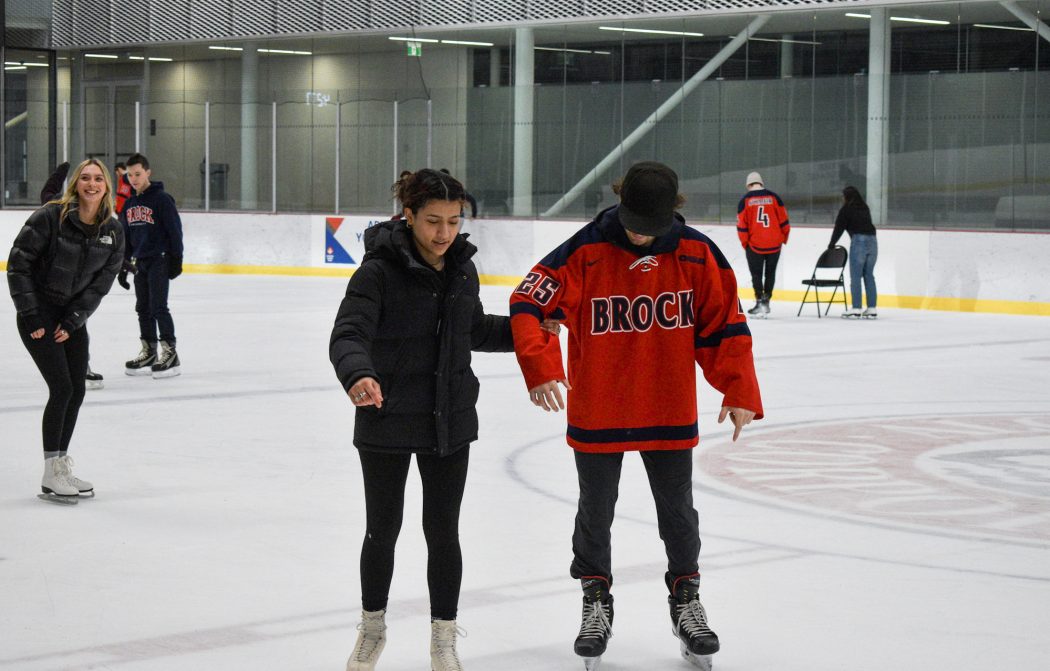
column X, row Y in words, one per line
column 93, row 380
column 167, row 363
column 596, row 624
column 143, row 363
column 689, row 621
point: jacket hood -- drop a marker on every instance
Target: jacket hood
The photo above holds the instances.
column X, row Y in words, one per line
column 392, row 241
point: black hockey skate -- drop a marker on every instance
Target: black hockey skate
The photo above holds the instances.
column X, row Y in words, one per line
column 596, row 624
column 689, row 621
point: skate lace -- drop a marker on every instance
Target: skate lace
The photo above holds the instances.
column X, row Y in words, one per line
column 372, row 634
column 595, row 621
column 66, row 463
column 165, row 356
column 693, row 618
column 444, row 648
column 144, row 355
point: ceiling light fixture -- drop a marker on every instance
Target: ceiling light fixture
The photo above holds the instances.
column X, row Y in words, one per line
column 573, row 51
column 108, row 56
column 785, row 40
column 986, row 25
column 289, row 52
column 215, row 48
column 906, row 19
column 155, row 59
column 468, row 44
column 414, row 39
column 26, row 65
column 650, row 31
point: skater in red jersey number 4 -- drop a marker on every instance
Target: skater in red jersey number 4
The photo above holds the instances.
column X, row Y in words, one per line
column 644, row 298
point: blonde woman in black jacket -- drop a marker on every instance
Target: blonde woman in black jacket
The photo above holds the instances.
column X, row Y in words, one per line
column 62, row 263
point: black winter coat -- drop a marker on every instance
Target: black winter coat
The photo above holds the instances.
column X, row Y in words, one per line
column 63, row 263
column 413, row 330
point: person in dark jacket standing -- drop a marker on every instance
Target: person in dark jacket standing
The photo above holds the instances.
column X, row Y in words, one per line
column 154, row 254
column 61, row 265
column 53, row 188
column 401, row 349
column 855, row 218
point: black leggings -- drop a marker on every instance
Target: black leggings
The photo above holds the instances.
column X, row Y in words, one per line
column 63, row 366
column 443, row 481
column 759, row 265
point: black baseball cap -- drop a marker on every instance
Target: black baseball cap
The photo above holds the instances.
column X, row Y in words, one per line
column 648, row 195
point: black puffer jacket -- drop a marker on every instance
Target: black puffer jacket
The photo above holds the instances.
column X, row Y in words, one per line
column 413, row 330
column 63, row 263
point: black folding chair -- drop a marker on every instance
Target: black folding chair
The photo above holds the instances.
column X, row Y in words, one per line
column 833, row 258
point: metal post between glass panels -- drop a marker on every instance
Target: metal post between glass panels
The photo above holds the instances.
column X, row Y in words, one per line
column 273, row 160
column 338, row 125
column 394, row 162
column 207, row 156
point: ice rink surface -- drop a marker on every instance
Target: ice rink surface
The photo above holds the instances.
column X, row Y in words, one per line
column 891, row 513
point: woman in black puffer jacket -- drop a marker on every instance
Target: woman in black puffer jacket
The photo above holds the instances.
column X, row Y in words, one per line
column 62, row 263
column 401, row 349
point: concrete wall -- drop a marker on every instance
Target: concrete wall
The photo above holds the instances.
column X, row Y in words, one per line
column 966, row 271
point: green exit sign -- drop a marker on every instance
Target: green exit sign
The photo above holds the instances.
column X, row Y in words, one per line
column 414, row 49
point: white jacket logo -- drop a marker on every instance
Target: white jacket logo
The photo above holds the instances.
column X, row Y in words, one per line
column 646, row 262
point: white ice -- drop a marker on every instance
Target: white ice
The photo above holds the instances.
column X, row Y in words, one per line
column 891, row 513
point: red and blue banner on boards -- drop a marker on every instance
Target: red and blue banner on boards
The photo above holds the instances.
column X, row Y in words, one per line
column 344, row 239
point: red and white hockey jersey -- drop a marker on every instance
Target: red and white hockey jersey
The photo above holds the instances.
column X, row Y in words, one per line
column 637, row 319
column 762, row 221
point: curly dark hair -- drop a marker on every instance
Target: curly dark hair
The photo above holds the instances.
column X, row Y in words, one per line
column 416, row 189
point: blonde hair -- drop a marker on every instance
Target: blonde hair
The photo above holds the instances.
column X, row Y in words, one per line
column 70, row 200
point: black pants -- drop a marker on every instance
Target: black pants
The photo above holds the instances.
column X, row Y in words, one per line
column 759, row 265
column 670, row 475
column 443, row 481
column 63, row 366
column 151, row 299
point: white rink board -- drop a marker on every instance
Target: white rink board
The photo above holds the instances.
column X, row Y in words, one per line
column 994, row 266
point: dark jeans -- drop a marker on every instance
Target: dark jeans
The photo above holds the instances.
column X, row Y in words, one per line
column 151, row 299
column 759, row 265
column 63, row 366
column 671, row 481
column 443, row 481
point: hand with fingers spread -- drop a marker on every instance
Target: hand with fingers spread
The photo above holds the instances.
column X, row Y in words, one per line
column 548, row 395
column 365, row 392
column 739, row 416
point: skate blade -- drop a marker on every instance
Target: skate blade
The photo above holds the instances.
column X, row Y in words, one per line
column 59, row 500
column 592, row 663
column 171, row 372
column 94, row 385
column 699, row 661
column 89, row 494
column 138, row 372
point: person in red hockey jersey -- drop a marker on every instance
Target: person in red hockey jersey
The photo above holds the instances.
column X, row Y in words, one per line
column 762, row 225
column 644, row 298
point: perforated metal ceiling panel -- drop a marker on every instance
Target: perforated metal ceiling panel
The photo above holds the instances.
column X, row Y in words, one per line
column 96, row 23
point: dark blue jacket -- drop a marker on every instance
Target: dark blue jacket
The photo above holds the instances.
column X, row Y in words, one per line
column 151, row 224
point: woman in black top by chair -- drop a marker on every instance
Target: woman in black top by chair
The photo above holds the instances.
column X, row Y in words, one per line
column 855, row 218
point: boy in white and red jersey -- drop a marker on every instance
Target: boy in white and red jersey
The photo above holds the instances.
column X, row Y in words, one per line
column 762, row 225
column 644, row 298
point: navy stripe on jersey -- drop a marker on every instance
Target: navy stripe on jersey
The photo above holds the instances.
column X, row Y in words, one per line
column 690, row 233
column 763, row 250
column 641, row 434
column 588, row 235
column 786, row 223
column 716, row 338
column 525, row 308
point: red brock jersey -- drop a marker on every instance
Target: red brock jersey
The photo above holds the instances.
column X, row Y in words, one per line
column 762, row 222
column 638, row 319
